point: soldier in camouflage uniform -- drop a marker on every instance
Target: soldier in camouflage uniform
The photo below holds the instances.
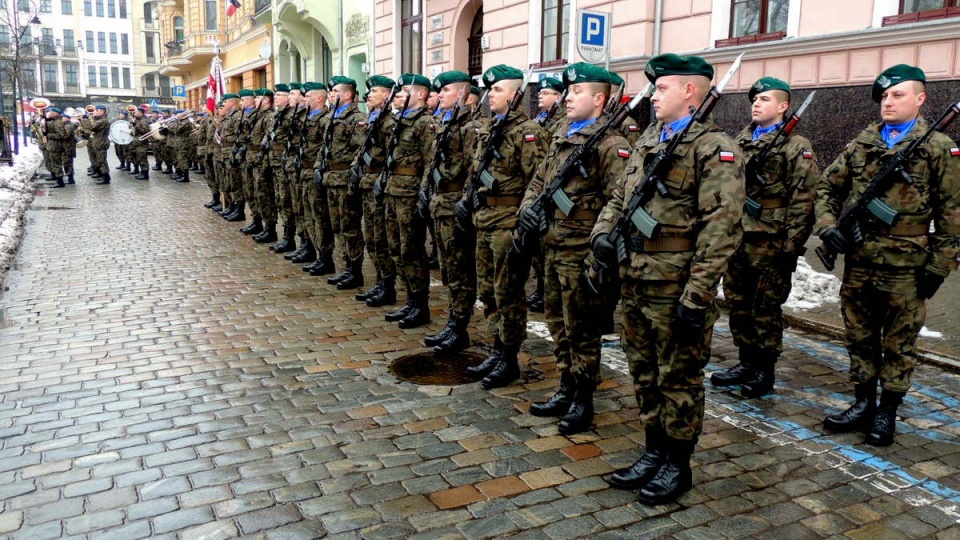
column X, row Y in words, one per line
column 629, row 128
column 889, row 276
column 230, row 181
column 181, row 130
column 306, row 252
column 570, row 307
column 211, row 164
column 99, row 129
column 138, row 148
column 263, row 178
column 312, row 194
column 758, row 278
column 333, row 167
column 441, row 189
column 119, row 149
column 368, row 166
column 670, row 281
column 246, row 160
column 56, row 148
column 406, row 232
column 501, row 279
column 276, row 144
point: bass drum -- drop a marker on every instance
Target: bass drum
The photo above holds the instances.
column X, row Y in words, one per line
column 121, row 133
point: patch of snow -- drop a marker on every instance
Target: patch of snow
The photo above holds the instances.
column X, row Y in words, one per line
column 928, row 333
column 812, row 289
column 16, row 193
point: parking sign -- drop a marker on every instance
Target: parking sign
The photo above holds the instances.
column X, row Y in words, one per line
column 593, row 35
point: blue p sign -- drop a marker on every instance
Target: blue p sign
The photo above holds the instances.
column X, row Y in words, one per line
column 592, row 29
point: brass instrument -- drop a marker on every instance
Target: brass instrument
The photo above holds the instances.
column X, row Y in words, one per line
column 90, row 108
column 132, row 109
column 39, row 129
column 160, row 124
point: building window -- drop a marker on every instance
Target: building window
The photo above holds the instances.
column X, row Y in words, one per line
column 122, row 4
column 111, row 8
column 99, row 8
column 752, row 17
column 411, row 35
column 126, row 77
column 178, row 29
column 148, row 45
column 556, row 30
column 149, row 83
column 124, row 44
column 102, row 42
column 113, row 43
column 212, row 8
column 26, row 38
column 115, row 77
column 71, row 77
column 46, row 6
column 103, row 77
column 47, row 41
column 69, row 45
column 66, row 7
column 923, row 10
column 91, row 76
column 148, row 12
column 90, row 41
column 164, row 85
column 50, row 78
column 23, row 5
column 88, row 8
column 4, row 35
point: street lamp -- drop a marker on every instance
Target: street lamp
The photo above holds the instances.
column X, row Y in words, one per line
column 37, row 29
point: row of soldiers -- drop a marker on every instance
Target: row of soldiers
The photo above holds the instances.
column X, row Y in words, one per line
column 655, row 219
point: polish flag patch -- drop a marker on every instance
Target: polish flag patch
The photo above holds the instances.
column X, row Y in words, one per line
column 727, row 157
column 807, row 154
column 955, row 151
column 633, row 128
column 529, row 137
column 623, row 152
column 361, row 124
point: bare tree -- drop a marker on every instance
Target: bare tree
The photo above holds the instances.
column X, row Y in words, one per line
column 18, row 54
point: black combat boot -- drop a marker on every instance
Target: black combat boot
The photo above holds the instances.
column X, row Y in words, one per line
column 70, row 179
column 559, row 403
column 355, row 279
column 763, row 379
column 229, row 209
column 885, row 422
column 156, row 165
column 458, row 340
column 402, row 311
column 177, row 174
column 482, row 369
column 506, row 371
column 134, row 168
column 238, row 214
column 580, row 416
column 387, row 296
column 215, row 198
column 307, row 255
column 305, row 243
column 333, row 280
column 420, row 314
column 323, row 266
column 95, row 173
column 269, row 234
column 674, row 478
column 167, row 170
column 287, row 243
column 255, row 226
column 123, row 165
column 59, row 182
column 184, row 177
column 432, row 340
column 216, row 208
column 144, row 174
column 372, row 291
column 104, row 179
column 637, row 475
column 535, row 300
column 738, row 374
column 860, row 415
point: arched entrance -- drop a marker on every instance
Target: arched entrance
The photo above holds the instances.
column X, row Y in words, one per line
column 475, row 53
column 467, row 33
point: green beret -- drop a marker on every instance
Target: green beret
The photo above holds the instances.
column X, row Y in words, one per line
column 671, row 64
column 551, row 83
column 475, row 90
column 246, row 93
column 295, row 86
column 767, row 83
column 265, row 92
column 582, row 72
column 381, row 81
column 895, row 75
column 228, row 96
column 449, row 77
column 499, row 73
column 615, row 79
column 413, row 79
column 281, row 87
column 308, row 86
column 340, row 79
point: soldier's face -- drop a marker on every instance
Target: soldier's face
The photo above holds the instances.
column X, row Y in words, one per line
column 246, row 102
column 670, row 98
column 767, row 108
column 901, row 103
column 398, row 99
column 282, row 100
column 376, row 96
column 345, row 92
column 584, row 102
column 296, row 98
column 432, row 99
column 500, row 96
column 448, row 96
column 546, row 98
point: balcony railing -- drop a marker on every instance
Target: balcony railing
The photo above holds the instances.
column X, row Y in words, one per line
column 174, row 48
column 261, row 5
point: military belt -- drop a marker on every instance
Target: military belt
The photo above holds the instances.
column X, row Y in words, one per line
column 372, row 170
column 450, row 187
column 280, row 146
column 339, row 167
column 407, row 171
column 500, row 200
column 668, row 244
column 577, row 214
column 905, row 229
column 771, row 202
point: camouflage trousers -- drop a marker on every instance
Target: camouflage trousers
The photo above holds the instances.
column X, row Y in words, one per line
column 296, row 200
column 121, row 152
column 282, row 194
column 346, row 214
column 316, row 215
column 375, row 234
column 571, row 313
column 98, row 157
column 457, row 262
column 139, row 156
column 182, row 156
column 54, row 162
column 756, row 291
column 667, row 367
column 210, row 174
column 883, row 317
column 405, row 236
column 248, row 189
column 263, row 187
column 500, row 282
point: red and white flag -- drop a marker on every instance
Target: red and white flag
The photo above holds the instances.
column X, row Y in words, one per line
column 215, row 84
column 232, row 7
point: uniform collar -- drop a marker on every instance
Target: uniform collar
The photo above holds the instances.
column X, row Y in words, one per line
column 677, row 125
column 894, row 133
column 761, row 131
column 576, row 127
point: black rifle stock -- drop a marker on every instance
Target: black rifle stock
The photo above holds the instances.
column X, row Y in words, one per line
column 270, row 137
column 291, row 131
column 236, row 144
column 380, row 186
column 893, row 170
column 323, row 163
column 298, row 160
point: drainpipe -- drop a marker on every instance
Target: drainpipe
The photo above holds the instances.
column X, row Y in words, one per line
column 343, row 46
column 373, row 41
column 657, row 23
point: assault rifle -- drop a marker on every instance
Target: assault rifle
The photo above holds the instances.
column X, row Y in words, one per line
column 323, row 164
column 242, row 156
column 357, row 171
column 291, row 129
column 440, row 155
column 234, row 159
column 633, row 214
column 575, row 164
column 613, row 104
column 893, row 170
column 554, row 108
column 298, row 161
column 491, row 152
column 380, row 186
column 483, row 99
column 754, row 167
column 270, row 137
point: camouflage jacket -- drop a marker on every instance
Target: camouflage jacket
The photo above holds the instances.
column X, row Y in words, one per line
column 294, row 128
column 933, row 196
column 228, row 133
column 412, row 154
column 560, row 117
column 631, row 131
column 140, row 128
column 100, row 128
column 276, row 135
column 313, row 128
column 704, row 203
column 605, row 165
column 453, row 171
column 377, row 155
column 348, row 135
column 262, row 126
column 56, row 133
column 791, row 172
column 524, row 147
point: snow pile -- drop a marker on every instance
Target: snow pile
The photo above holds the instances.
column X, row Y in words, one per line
column 811, row 289
column 928, row 333
column 16, row 194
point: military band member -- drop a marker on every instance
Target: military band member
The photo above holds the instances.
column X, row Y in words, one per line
column 670, row 281
column 54, row 130
column 758, row 277
column 888, row 278
column 139, row 147
column 314, row 196
column 119, row 149
column 501, row 279
column 181, row 131
column 262, row 168
column 99, row 129
column 571, row 309
column 70, row 148
column 163, row 148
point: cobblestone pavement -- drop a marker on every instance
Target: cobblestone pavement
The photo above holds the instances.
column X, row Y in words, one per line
column 164, row 377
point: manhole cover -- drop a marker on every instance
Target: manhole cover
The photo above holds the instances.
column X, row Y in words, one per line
column 428, row 368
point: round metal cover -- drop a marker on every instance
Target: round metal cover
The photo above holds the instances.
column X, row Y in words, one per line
column 428, row 368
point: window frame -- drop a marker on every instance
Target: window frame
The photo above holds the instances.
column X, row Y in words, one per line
column 114, row 46
column 91, row 41
column 114, row 77
column 762, row 34
column 99, row 8
column 125, row 79
column 950, row 9
column 68, row 69
column 88, row 8
column 66, row 7
column 104, row 79
column 92, row 75
column 406, row 39
column 178, row 33
column 45, row 6
column 563, row 38
column 124, row 44
column 102, row 42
